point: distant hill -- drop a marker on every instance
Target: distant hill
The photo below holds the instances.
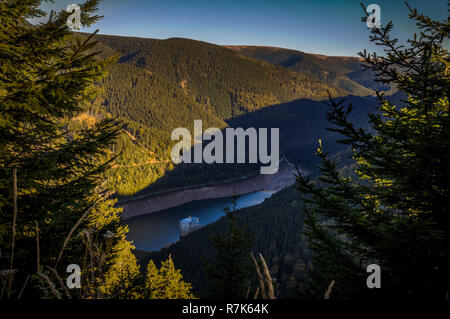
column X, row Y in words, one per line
column 342, row 72
column 222, row 80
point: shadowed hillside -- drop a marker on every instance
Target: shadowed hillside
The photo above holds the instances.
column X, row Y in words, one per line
column 301, row 123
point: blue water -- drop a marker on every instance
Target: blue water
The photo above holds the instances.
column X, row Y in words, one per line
column 157, row 230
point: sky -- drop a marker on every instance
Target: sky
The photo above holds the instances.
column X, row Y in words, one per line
column 314, row 26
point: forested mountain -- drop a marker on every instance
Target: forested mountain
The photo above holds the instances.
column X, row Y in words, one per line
column 141, row 96
column 277, row 223
column 219, row 78
column 344, row 72
column 159, row 85
column 151, row 107
column 301, row 124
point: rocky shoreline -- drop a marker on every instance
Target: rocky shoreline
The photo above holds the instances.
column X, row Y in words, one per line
column 142, row 206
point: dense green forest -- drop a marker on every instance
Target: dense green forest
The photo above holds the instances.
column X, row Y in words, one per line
column 218, row 78
column 80, row 128
column 151, row 108
column 141, row 96
column 301, row 122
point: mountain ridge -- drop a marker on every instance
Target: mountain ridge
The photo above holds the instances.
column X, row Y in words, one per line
column 339, row 71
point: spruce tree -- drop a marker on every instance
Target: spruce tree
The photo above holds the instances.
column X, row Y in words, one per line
column 229, row 274
column 395, row 211
column 166, row 282
column 50, row 174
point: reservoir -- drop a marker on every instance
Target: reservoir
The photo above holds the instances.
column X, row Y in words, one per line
column 159, row 229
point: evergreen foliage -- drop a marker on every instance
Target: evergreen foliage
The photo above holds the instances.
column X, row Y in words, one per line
column 395, row 211
column 47, row 77
column 163, row 283
column 54, row 207
column 215, row 76
column 230, row 271
column 166, row 282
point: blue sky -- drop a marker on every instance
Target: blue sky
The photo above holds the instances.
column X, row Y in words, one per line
column 314, row 26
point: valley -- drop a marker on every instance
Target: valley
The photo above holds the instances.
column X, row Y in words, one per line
column 159, row 85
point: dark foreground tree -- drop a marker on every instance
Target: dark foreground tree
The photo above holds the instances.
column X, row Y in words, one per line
column 395, row 213
column 229, row 274
column 54, row 210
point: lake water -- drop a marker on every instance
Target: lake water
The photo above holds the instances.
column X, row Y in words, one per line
column 157, row 230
